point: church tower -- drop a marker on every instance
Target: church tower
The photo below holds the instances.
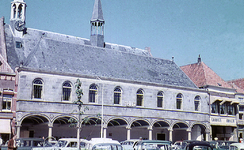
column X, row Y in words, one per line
column 17, row 17
column 97, row 25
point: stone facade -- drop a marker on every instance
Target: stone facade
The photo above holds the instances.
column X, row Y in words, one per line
column 129, row 93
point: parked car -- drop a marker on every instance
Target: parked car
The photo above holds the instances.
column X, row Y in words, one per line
column 198, row 145
column 236, row 146
column 26, row 143
column 152, row 145
column 63, row 144
column 103, row 144
column 128, row 144
column 177, row 145
column 224, row 145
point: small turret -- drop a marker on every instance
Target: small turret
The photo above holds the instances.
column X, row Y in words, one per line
column 97, row 25
column 17, row 17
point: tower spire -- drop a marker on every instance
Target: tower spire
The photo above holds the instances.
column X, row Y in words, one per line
column 97, row 25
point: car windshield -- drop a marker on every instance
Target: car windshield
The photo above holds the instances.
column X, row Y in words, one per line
column 202, row 148
column 107, row 147
column 62, row 143
column 155, row 146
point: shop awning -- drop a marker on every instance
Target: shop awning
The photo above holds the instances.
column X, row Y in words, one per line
column 223, row 100
column 5, row 126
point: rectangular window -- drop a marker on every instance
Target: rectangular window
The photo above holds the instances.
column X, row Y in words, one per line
column 7, row 100
column 197, row 105
column 66, row 94
column 139, row 100
column 178, row 104
column 160, row 101
column 241, row 108
column 230, row 109
column 222, row 108
column 240, row 116
column 117, row 98
column 37, row 91
column 92, row 96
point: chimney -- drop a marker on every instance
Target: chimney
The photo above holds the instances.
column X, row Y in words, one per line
column 199, row 60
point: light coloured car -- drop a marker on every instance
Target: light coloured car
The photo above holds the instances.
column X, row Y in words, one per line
column 103, row 144
column 177, row 145
column 236, row 146
column 128, row 144
column 152, row 145
column 65, row 144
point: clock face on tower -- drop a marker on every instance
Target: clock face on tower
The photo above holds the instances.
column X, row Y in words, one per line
column 19, row 25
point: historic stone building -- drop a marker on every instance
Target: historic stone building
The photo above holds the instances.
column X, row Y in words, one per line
column 136, row 94
column 7, row 90
column 224, row 100
column 238, row 85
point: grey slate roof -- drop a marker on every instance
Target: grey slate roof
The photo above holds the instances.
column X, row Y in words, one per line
column 67, row 54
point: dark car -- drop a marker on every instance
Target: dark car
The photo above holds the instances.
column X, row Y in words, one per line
column 198, row 145
column 26, row 143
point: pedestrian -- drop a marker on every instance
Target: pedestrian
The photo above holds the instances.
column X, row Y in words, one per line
column 11, row 143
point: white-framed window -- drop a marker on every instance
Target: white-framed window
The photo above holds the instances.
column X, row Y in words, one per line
column 179, row 99
column 160, row 98
column 37, row 88
column 66, row 91
column 139, row 97
column 7, row 102
column 93, row 93
column 197, row 102
column 117, row 95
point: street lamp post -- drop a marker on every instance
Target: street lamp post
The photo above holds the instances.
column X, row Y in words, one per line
column 102, row 110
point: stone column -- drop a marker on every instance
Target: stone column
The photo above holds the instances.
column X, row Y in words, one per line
column 170, row 134
column 150, row 133
column 128, row 133
column 189, row 133
column 18, row 131
column 207, row 136
column 104, row 132
column 50, row 131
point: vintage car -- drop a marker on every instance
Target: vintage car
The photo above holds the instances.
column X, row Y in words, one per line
column 224, row 145
column 128, row 144
column 236, row 146
column 26, row 143
column 103, row 144
column 198, row 145
column 152, row 145
column 177, row 145
column 64, row 144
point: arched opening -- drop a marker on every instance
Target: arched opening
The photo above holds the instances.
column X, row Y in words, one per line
column 117, row 129
column 34, row 126
column 62, row 126
column 139, row 128
column 160, row 130
column 179, row 132
column 198, row 132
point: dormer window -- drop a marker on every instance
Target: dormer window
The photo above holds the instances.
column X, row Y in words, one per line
column 18, row 44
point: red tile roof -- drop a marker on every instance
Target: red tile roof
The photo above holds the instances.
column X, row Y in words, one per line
column 202, row 75
column 238, row 84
